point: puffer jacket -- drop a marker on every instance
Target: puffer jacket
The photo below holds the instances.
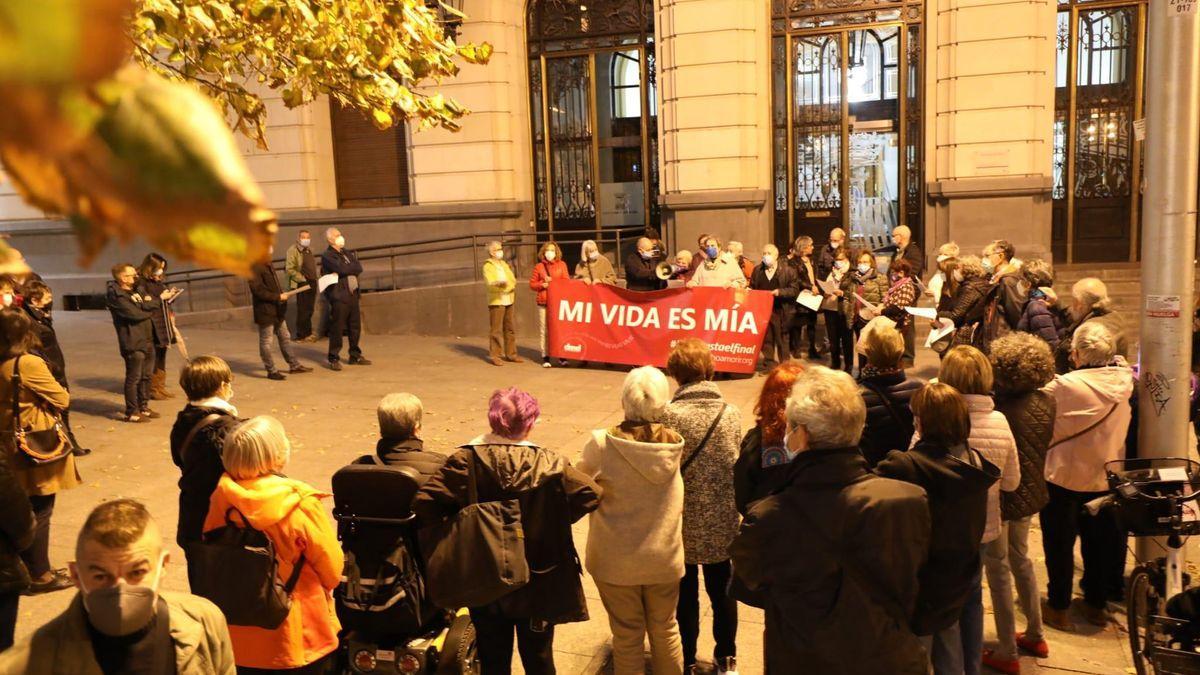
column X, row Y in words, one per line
column 543, row 273
column 1038, row 320
column 991, row 436
column 871, row 286
column 1031, row 418
column 710, row 516
column 1094, row 401
column 883, row 431
column 552, row 494
column 968, row 302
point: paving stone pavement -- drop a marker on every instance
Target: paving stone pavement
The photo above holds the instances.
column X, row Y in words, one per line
column 331, row 418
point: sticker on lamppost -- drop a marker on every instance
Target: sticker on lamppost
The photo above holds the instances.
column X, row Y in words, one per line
column 1182, row 7
column 1162, row 306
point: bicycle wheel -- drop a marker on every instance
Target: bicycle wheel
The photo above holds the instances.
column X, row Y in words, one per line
column 1141, row 603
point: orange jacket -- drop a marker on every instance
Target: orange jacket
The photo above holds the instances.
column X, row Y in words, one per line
column 291, row 515
column 543, row 272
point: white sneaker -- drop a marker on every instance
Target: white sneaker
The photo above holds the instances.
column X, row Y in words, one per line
column 545, row 363
column 727, row 666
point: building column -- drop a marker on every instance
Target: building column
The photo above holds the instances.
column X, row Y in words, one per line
column 715, row 152
column 993, row 99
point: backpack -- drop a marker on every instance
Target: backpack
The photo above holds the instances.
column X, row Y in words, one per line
column 235, row 567
column 993, row 324
column 391, row 602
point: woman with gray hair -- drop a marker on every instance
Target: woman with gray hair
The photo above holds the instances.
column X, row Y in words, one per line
column 635, row 537
column 1089, row 303
column 290, row 514
column 1093, row 414
column 593, row 266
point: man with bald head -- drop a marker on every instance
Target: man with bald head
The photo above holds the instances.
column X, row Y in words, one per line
column 907, row 249
column 639, row 267
column 837, row 240
column 120, row 621
column 780, row 280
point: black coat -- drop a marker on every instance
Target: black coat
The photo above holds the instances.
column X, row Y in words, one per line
column 969, row 301
column 409, row 452
column 154, row 289
column 958, row 496
column 200, row 467
column 345, row 264
column 824, row 262
column 785, row 281
column 16, row 528
column 552, row 495
column 837, row 553
column 1010, row 295
column 50, row 351
column 883, row 431
column 915, row 255
column 131, row 315
column 269, row 310
column 640, row 275
column 1031, row 418
column 751, row 480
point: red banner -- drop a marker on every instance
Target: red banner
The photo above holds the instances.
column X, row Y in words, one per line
column 613, row 325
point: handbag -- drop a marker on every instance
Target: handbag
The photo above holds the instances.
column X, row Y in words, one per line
column 477, row 556
column 43, row 446
column 703, row 441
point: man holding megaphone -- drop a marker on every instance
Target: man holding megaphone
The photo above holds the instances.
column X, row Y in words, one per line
column 641, row 273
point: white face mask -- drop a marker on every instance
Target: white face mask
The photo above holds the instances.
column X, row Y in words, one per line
column 594, row 256
column 551, row 255
column 306, row 242
column 864, row 268
column 768, row 259
column 340, row 241
column 958, row 277
column 122, row 609
column 835, row 245
column 842, row 265
column 498, row 254
column 7, row 299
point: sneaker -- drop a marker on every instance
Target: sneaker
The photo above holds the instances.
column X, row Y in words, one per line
column 1038, row 648
column 1056, row 618
column 134, row 419
column 276, row 375
column 148, row 413
column 359, row 361
column 59, row 581
column 298, row 369
column 1006, row 666
column 546, row 363
column 727, row 666
column 335, row 365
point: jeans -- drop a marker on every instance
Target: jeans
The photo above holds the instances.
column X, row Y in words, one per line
column 716, row 583
column 1000, row 586
column 304, row 311
column 502, row 337
column 635, row 612
column 344, row 316
column 494, row 644
column 139, row 368
column 777, row 343
column 37, row 556
column 1102, row 543
column 970, row 626
column 1017, row 534
column 945, row 651
column 841, row 341
column 266, row 336
column 9, row 603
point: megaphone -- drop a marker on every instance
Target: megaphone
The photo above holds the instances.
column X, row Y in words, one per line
column 666, row 270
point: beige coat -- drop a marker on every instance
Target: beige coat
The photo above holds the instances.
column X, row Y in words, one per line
column 599, row 271
column 40, row 394
column 1094, row 401
column 63, row 646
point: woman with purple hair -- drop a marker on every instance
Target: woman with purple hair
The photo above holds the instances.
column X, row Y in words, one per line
column 508, row 465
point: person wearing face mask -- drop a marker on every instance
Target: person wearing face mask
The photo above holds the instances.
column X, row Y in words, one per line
column 778, row 279
column 1008, row 295
column 594, row 267
column 911, row 252
column 800, row 260
column 640, row 268
column 838, row 310
column 549, row 267
column 197, row 439
column 38, row 300
column 344, row 313
column 717, row 271
column 301, row 270
column 152, row 284
column 838, row 594
column 133, row 313
column 870, row 286
column 121, row 621
column 501, row 296
column 967, row 299
column 825, row 259
column 1089, row 302
column 8, row 294
column 270, row 306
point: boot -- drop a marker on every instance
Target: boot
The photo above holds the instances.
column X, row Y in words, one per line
column 158, row 386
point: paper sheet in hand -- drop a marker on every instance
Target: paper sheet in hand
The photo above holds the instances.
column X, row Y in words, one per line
column 829, row 287
column 945, row 328
column 923, row 312
column 326, row 281
column 294, row 291
column 866, row 303
column 809, row 300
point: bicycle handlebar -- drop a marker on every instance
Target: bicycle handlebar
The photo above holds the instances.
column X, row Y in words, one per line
column 1099, row 504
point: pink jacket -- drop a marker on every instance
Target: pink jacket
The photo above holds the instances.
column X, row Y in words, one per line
column 1082, row 398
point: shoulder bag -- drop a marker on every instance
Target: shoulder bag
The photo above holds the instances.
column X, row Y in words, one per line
column 209, row 420
column 1086, row 429
column 42, row 446
column 703, row 441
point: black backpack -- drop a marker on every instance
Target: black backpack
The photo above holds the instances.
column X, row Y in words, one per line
column 235, row 567
column 390, row 602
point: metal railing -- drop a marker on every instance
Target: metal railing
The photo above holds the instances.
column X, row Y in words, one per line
column 384, row 265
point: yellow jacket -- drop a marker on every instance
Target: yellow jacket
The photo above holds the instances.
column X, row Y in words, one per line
column 494, row 270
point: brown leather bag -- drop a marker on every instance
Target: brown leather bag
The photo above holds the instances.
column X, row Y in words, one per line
column 39, row 446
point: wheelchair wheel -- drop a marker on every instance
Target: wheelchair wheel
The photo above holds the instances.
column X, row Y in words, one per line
column 1141, row 604
column 458, row 651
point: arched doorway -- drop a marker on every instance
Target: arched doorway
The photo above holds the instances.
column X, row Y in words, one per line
column 847, row 118
column 594, row 114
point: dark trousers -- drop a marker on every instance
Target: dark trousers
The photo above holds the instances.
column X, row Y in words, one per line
column 804, row 321
column 139, row 368
column 502, row 337
column 910, row 341
column 777, row 343
column 37, row 556
column 160, row 357
column 716, row 584
column 343, row 317
column 494, row 642
column 841, row 341
column 1102, row 543
column 305, row 302
column 8, row 618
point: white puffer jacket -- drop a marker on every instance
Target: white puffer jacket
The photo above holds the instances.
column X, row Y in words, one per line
column 992, row 437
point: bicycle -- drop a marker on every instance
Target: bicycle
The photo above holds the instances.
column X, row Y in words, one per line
column 1156, row 497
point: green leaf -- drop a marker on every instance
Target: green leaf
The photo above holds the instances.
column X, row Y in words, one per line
column 62, row 41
